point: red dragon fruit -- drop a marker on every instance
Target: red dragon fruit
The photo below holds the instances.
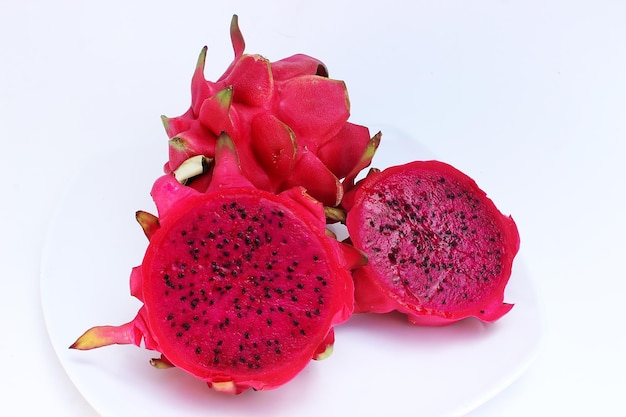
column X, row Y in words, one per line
column 287, row 119
column 438, row 248
column 240, row 287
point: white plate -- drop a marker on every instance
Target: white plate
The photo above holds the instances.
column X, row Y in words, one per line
column 381, row 365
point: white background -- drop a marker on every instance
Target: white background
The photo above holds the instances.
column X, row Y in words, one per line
column 528, row 97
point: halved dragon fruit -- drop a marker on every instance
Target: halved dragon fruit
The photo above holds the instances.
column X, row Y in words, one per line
column 438, row 248
column 288, row 120
column 240, row 287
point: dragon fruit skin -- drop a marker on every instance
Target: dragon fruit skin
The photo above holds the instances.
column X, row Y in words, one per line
column 438, row 248
column 240, row 287
column 287, row 118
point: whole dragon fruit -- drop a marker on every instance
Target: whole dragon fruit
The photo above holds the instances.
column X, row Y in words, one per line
column 287, row 119
column 240, row 287
column 438, row 248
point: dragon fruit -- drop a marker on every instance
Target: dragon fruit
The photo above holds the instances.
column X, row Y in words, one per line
column 240, row 287
column 438, row 248
column 287, row 119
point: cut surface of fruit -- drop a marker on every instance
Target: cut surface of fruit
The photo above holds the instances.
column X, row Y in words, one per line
column 439, row 250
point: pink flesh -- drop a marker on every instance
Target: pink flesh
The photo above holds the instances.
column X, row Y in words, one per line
column 225, row 299
column 438, row 248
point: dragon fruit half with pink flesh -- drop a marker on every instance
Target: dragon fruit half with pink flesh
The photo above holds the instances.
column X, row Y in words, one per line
column 240, row 287
column 438, row 248
column 288, row 120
